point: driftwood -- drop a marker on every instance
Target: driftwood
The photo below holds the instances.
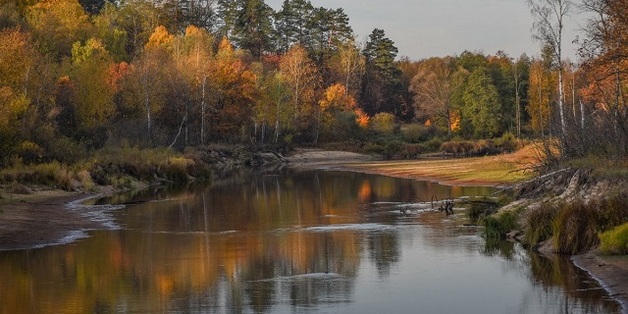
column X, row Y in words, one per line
column 446, row 205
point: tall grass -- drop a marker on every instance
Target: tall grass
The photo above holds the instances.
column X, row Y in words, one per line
column 118, row 167
column 539, row 225
column 574, row 227
column 148, row 165
column 498, row 226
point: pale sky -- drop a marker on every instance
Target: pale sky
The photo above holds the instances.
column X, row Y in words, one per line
column 429, row 28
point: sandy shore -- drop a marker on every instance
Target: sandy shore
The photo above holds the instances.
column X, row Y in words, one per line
column 43, row 218
column 610, row 271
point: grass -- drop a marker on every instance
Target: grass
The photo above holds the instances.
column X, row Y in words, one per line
column 496, row 227
column 120, row 167
column 615, row 241
column 576, row 226
column 488, row 171
column 603, row 168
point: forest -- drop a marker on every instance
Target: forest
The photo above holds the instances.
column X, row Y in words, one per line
column 78, row 76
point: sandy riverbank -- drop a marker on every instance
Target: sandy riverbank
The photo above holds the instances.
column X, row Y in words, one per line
column 44, row 217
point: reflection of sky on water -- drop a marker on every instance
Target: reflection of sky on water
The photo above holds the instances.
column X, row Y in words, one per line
column 304, row 242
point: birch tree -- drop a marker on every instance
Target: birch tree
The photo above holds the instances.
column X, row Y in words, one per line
column 548, row 24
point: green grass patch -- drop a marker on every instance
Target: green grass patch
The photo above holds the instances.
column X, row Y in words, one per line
column 615, row 241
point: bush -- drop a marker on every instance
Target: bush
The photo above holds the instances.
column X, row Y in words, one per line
column 615, row 241
column 432, row 145
column 414, row 133
column 374, row 148
column 507, row 143
column 394, row 150
column 384, row 123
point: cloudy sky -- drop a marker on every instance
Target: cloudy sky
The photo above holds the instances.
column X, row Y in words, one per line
column 426, row 28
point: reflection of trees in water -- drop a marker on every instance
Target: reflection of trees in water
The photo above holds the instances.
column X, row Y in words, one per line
column 176, row 257
column 384, row 251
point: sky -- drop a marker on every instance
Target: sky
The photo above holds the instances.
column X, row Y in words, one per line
column 437, row 28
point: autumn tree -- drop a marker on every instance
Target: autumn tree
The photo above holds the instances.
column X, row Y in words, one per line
column 549, row 18
column 234, row 93
column 605, row 55
column 194, row 65
column 301, row 78
column 334, row 104
column 113, row 36
column 145, row 89
column 17, row 67
column 348, row 64
column 57, row 24
column 539, row 95
column 93, row 100
column 433, row 85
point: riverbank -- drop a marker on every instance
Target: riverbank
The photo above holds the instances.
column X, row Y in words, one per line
column 43, row 218
column 499, row 170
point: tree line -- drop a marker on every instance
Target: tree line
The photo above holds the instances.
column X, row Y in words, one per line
column 79, row 75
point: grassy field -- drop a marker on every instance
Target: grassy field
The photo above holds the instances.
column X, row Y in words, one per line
column 487, row 171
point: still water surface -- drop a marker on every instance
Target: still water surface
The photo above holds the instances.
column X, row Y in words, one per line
column 294, row 242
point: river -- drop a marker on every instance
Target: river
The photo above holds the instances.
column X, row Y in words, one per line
column 293, row 242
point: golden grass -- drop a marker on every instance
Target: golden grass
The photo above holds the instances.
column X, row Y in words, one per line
column 487, row 171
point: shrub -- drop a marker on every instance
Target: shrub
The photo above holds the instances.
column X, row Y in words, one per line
column 375, row 148
column 394, row 150
column 384, row 123
column 414, row 133
column 615, row 241
column 507, row 143
column 432, row 145
column 30, row 152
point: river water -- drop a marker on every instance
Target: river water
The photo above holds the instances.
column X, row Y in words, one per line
column 294, row 242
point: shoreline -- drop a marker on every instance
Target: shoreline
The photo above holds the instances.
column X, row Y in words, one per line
column 47, row 218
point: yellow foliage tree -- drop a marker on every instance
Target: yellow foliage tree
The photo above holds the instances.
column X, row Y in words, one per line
column 301, row 77
column 160, row 38
column 539, row 92
column 93, row 100
column 57, row 24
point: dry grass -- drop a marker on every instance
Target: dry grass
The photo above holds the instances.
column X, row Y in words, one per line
column 490, row 170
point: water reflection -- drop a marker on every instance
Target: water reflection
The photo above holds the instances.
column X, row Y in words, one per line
column 304, row 241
